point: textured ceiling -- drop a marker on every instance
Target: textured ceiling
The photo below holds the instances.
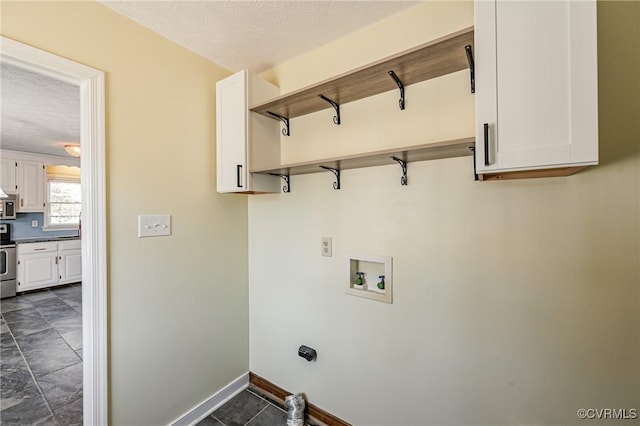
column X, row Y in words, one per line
column 255, row 35
column 39, row 113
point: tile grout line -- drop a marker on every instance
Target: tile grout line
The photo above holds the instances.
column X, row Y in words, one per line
column 218, row 420
column 260, row 412
column 266, row 400
column 33, row 377
column 52, row 327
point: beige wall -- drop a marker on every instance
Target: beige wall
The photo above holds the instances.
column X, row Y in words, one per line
column 178, row 310
column 514, row 302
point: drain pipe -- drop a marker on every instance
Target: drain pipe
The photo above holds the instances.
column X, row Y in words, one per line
column 295, row 409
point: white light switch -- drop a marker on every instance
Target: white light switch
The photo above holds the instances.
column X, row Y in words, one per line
column 326, row 246
column 154, row 225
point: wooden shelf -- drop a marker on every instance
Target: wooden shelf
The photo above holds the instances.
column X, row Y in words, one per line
column 431, row 151
column 430, row 60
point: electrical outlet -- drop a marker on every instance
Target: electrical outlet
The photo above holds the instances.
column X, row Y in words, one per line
column 326, row 246
column 154, row 225
column 34, row 223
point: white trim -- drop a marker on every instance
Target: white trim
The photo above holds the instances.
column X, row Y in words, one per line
column 94, row 247
column 215, row 401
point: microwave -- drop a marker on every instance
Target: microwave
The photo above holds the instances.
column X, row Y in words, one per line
column 8, row 207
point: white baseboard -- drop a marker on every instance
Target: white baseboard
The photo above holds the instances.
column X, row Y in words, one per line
column 212, row 403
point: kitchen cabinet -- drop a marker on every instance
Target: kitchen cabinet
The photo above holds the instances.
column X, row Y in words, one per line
column 69, row 262
column 37, row 265
column 536, row 88
column 8, row 175
column 245, row 140
column 47, row 264
column 30, row 182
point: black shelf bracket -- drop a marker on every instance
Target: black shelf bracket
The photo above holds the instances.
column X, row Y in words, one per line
column 287, row 182
column 286, row 131
column 472, row 67
column 336, row 172
column 400, row 86
column 475, row 173
column 336, row 118
column 403, row 180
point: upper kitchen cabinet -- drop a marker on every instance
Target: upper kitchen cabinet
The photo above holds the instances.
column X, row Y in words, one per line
column 245, row 140
column 536, row 88
column 8, row 175
column 30, row 181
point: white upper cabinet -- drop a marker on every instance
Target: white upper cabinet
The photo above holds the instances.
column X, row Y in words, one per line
column 8, row 175
column 244, row 139
column 30, row 181
column 536, row 85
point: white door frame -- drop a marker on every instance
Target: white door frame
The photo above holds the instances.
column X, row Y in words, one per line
column 94, row 243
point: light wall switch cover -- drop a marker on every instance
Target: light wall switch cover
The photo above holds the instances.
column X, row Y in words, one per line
column 154, row 225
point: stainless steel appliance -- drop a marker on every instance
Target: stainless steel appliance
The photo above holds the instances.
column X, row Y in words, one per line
column 8, row 207
column 8, row 262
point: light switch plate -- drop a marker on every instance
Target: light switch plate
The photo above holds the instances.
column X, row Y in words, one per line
column 326, row 246
column 154, row 225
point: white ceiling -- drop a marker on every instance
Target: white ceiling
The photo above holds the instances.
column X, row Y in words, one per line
column 255, row 34
column 41, row 114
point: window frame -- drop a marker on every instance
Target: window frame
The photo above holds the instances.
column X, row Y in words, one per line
column 47, row 211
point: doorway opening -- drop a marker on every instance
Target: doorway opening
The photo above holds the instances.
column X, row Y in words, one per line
column 93, row 206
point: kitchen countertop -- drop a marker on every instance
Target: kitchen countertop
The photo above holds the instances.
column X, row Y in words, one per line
column 45, row 239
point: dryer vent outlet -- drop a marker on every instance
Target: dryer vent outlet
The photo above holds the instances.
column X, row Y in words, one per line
column 307, row 353
column 295, row 406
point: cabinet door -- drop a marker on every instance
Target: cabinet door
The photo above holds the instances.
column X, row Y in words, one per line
column 30, row 186
column 70, row 266
column 37, row 270
column 8, row 175
column 536, row 84
column 231, row 132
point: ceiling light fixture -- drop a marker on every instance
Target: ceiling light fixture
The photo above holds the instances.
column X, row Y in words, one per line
column 73, row 150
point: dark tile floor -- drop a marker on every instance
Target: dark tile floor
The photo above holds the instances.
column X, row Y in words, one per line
column 41, row 357
column 247, row 408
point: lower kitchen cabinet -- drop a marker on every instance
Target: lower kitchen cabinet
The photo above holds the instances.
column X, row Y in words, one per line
column 37, row 265
column 47, row 264
column 69, row 262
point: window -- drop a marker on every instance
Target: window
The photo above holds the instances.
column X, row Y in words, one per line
column 63, row 208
